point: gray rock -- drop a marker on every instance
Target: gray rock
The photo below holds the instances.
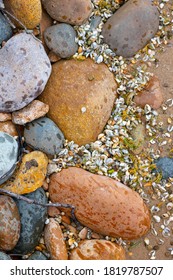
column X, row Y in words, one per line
column 131, row 27
column 95, row 21
column 5, row 29
column 44, row 135
column 32, row 221
column 24, row 71
column 4, row 256
column 165, row 167
column 60, row 38
column 8, row 156
column 37, row 256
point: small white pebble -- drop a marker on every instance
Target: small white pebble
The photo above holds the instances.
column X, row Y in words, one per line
column 83, row 110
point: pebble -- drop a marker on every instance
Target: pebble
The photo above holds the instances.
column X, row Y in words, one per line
column 54, row 241
column 151, row 95
column 31, row 174
column 95, row 21
column 97, row 250
column 6, row 31
column 24, row 72
column 9, row 223
column 4, row 256
column 52, row 138
column 131, row 27
column 165, row 166
column 83, row 233
column 36, row 109
column 102, row 204
column 46, row 21
column 60, row 38
column 9, row 128
column 38, row 256
column 82, row 110
column 138, row 135
column 32, row 222
column 5, row 117
column 74, row 12
column 8, row 156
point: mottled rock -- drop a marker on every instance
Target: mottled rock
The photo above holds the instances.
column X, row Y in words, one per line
column 9, row 128
column 45, row 22
column 138, row 135
column 97, row 250
column 82, row 110
column 8, row 156
column 9, row 223
column 36, row 109
column 24, row 72
column 131, row 27
column 95, row 21
column 60, row 38
column 54, row 241
column 151, row 95
column 32, row 222
column 4, row 256
column 74, row 12
column 165, row 167
column 101, row 203
column 37, row 256
column 5, row 117
column 5, row 30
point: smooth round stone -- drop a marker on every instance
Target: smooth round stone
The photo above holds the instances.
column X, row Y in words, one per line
column 38, row 256
column 165, row 167
column 60, row 38
column 9, row 223
column 6, row 31
column 8, row 156
column 47, row 131
column 24, row 72
column 131, row 27
column 4, row 256
column 32, row 221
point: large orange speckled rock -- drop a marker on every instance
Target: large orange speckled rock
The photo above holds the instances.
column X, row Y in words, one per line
column 80, row 96
column 97, row 250
column 102, row 204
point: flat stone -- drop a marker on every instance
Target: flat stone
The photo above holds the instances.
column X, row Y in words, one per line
column 102, row 204
column 131, row 27
column 138, row 134
column 9, row 128
column 4, row 256
column 165, row 167
column 6, row 31
column 38, row 256
column 5, row 117
column 36, row 109
column 18, row 85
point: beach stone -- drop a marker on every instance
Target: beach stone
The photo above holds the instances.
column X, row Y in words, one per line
column 30, row 175
column 60, row 38
column 45, row 22
column 97, row 250
column 5, row 117
column 82, row 110
column 37, row 256
column 131, row 27
column 151, row 95
column 8, row 156
column 52, row 139
column 138, row 134
column 101, row 203
column 165, row 167
column 74, row 12
column 9, row 223
column 18, row 85
column 6, row 31
column 36, row 109
column 54, row 241
column 4, row 256
column 27, row 11
column 32, row 222
column 9, row 128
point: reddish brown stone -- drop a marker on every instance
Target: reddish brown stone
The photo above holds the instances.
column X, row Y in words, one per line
column 8, row 127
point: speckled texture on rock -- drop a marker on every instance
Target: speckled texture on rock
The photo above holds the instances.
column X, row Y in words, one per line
column 9, row 128
column 5, row 117
column 9, row 223
column 74, row 12
column 24, row 72
column 80, row 96
column 101, row 203
column 165, row 167
column 4, row 256
column 32, row 222
column 37, row 256
column 60, row 38
column 47, row 131
column 5, row 29
column 131, row 27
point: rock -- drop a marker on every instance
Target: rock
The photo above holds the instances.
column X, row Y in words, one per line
column 1, row 4
column 32, row 222
column 60, row 38
column 165, row 167
column 4, row 256
column 53, row 211
column 52, row 139
column 95, row 21
column 19, row 85
column 5, row 117
column 138, row 134
column 74, row 12
column 54, row 241
column 80, row 96
column 97, row 250
column 9, row 223
column 36, row 109
column 151, row 95
column 30, row 175
column 83, row 233
column 8, row 156
column 104, row 205
column 37, row 256
column 46, row 21
column 28, row 12
column 9, row 128
column 6, row 31
column 131, row 27
column 53, row 57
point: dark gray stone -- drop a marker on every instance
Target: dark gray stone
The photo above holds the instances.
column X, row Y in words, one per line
column 60, row 38
column 131, row 27
column 4, row 256
column 44, row 135
column 37, row 256
column 165, row 166
column 6, row 31
column 32, row 221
